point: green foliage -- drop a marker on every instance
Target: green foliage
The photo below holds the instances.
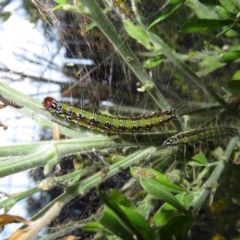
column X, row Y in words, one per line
column 174, row 182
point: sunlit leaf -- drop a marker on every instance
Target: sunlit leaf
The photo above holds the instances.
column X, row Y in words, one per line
column 230, row 56
column 153, row 62
column 236, row 75
column 61, row 1
column 92, row 227
column 223, row 13
column 120, row 199
column 230, row 6
column 200, row 158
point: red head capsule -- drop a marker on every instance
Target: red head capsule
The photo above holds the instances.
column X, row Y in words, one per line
column 48, row 102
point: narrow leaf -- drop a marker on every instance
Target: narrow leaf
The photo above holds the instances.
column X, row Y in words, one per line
column 116, row 220
column 176, row 228
column 140, row 223
column 111, row 221
column 120, row 199
column 61, row 1
column 136, row 32
column 92, row 227
column 155, row 189
column 230, row 6
column 205, row 25
column 230, row 57
column 149, row 173
column 226, row 29
column 167, row 211
column 167, row 14
column 200, row 158
column 153, row 62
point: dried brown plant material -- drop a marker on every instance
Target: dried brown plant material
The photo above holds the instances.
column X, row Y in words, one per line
column 35, row 226
column 70, row 237
column 56, row 132
column 7, row 218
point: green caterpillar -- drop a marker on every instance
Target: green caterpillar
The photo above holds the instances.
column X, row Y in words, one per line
column 133, row 124
column 198, row 135
column 123, row 8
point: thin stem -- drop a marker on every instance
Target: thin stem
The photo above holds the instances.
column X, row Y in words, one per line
column 212, row 181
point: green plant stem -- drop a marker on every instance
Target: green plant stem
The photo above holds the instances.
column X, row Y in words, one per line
column 212, row 181
column 34, row 110
column 83, row 186
column 107, row 28
column 29, row 103
column 100, row 19
column 167, row 51
column 11, row 201
column 43, row 152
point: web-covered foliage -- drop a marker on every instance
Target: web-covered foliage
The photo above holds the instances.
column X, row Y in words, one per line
column 145, row 57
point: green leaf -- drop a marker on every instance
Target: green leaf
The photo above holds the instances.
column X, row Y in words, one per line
column 120, row 199
column 167, row 211
column 210, row 62
column 236, row 75
column 205, row 25
column 223, row 13
column 153, row 62
column 226, row 29
column 167, row 14
column 162, row 216
column 116, row 220
column 61, row 1
column 178, row 227
column 111, row 221
column 92, row 227
column 136, row 32
column 149, row 173
column 5, row 16
column 200, row 158
column 230, row 57
column 58, row 7
column 140, row 223
column 155, row 189
column 230, row 5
